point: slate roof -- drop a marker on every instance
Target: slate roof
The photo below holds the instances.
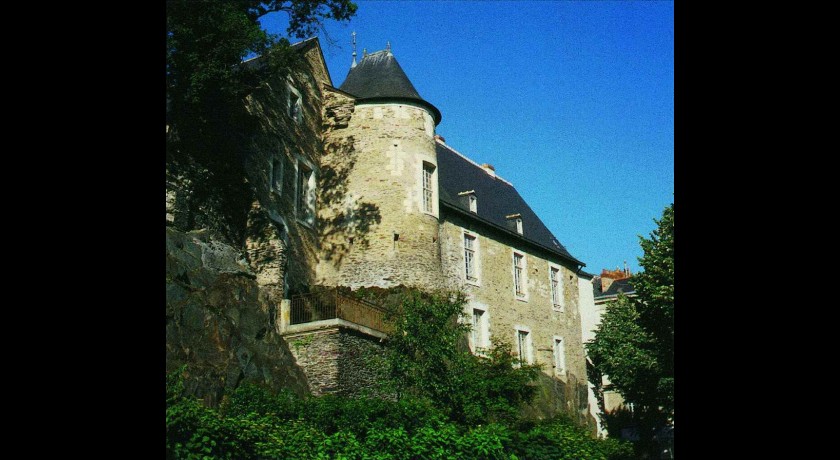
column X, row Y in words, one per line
column 624, row 286
column 378, row 76
column 496, row 199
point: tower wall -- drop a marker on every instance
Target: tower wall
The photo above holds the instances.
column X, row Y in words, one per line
column 375, row 231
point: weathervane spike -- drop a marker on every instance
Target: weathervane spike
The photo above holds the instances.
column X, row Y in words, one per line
column 388, row 45
column 354, row 50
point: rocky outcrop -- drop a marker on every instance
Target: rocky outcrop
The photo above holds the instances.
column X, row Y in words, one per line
column 220, row 322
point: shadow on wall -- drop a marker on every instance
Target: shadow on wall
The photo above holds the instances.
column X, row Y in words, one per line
column 346, row 222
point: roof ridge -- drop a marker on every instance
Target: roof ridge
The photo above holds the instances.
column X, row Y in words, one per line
column 471, row 161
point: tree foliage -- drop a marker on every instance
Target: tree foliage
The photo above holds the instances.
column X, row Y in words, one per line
column 206, row 83
column 634, row 344
column 429, row 358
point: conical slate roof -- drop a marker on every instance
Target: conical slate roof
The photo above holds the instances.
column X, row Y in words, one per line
column 379, row 77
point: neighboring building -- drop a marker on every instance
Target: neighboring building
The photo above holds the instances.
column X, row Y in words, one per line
column 355, row 189
column 601, row 290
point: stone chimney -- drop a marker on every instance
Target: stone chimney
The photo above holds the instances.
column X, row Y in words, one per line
column 489, row 169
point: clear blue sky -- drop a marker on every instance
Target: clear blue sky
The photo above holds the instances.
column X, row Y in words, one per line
column 571, row 101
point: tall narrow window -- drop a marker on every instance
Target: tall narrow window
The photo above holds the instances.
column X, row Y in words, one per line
column 428, row 191
column 276, row 176
column 306, row 194
column 469, row 258
column 559, row 356
column 295, row 107
column 556, row 291
column 523, row 345
column 478, row 329
column 519, row 226
column 518, row 270
column 473, row 204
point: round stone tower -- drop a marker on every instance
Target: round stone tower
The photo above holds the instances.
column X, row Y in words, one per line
column 384, row 202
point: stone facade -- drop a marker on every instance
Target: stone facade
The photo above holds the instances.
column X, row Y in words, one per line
column 375, row 224
column 388, row 239
column 562, row 390
column 340, row 360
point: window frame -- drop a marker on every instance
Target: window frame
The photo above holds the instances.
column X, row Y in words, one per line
column 476, row 265
column 479, row 336
column 560, row 368
column 311, row 188
column 521, row 294
column 561, row 306
column 529, row 345
column 296, row 112
column 431, row 209
column 276, row 186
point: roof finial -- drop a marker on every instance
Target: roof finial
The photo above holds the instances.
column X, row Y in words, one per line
column 388, row 46
column 364, row 53
column 354, row 50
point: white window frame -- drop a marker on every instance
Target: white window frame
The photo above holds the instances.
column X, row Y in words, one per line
column 311, row 191
column 296, row 112
column 275, row 173
column 523, row 278
column 480, row 335
column 473, row 200
column 476, row 265
column 561, row 306
column 529, row 347
column 559, row 349
column 519, row 225
column 432, row 188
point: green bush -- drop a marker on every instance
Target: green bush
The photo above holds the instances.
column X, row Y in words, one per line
column 255, row 423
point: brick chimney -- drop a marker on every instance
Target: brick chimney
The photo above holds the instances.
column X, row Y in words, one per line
column 609, row 276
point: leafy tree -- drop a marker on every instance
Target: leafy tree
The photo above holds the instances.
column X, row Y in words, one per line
column 429, row 358
column 634, row 344
column 206, row 41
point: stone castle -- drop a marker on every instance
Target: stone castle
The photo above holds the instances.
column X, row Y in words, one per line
column 355, row 189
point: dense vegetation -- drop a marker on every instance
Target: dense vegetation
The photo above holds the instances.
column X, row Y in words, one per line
column 634, row 344
column 253, row 423
column 447, row 403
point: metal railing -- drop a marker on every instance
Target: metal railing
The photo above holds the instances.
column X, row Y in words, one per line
column 331, row 304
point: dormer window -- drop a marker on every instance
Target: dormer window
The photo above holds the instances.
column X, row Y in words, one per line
column 515, row 223
column 469, row 199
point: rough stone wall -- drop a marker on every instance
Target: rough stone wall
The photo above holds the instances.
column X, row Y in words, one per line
column 340, row 361
column 282, row 248
column 495, row 293
column 380, row 153
column 218, row 320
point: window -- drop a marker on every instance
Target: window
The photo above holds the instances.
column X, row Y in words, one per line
column 559, row 356
column 523, row 345
column 276, row 175
column 470, row 268
column 519, row 274
column 473, row 204
column 306, row 194
column 519, row 226
column 428, row 190
column 556, row 287
column 295, row 107
column 479, row 331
